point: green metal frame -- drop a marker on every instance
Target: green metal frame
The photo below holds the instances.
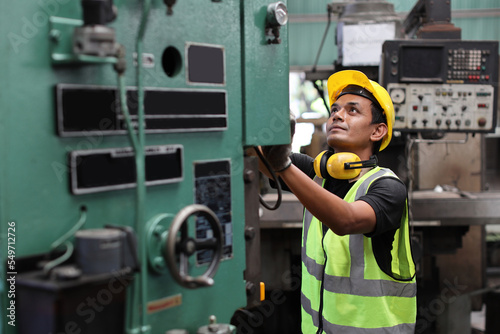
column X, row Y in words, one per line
column 34, row 183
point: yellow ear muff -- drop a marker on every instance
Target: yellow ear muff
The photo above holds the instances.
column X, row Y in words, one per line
column 328, row 164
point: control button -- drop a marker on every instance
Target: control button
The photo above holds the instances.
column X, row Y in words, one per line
column 438, row 122
column 464, row 108
column 424, row 121
column 445, row 108
column 448, row 122
column 425, row 108
column 413, row 121
column 467, row 122
column 458, row 122
column 415, row 108
column 481, row 122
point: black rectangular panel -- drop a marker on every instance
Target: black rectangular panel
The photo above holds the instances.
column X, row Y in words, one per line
column 205, row 64
column 114, row 168
column 95, row 110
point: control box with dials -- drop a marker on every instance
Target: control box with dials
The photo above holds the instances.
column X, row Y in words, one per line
column 442, row 85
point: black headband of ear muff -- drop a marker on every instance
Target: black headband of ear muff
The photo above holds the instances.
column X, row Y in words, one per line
column 360, row 91
column 373, row 162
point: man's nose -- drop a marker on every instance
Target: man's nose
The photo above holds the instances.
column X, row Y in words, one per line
column 339, row 115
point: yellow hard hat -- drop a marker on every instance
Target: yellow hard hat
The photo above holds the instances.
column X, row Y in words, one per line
column 340, row 80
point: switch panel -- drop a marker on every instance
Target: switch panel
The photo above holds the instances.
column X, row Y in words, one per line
column 458, row 108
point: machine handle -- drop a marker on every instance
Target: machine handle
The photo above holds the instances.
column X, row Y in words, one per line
column 186, row 246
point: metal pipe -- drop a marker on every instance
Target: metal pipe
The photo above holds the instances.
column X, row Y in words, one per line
column 140, row 168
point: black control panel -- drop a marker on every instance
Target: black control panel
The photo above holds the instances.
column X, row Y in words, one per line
column 443, row 85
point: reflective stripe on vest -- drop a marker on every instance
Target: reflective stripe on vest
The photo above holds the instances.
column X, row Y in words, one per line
column 354, row 283
column 331, row 328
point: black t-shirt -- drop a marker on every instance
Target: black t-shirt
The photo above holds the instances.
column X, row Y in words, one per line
column 387, row 197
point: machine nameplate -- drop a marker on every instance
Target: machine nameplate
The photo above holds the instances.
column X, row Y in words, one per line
column 114, row 168
column 95, row 110
column 213, row 189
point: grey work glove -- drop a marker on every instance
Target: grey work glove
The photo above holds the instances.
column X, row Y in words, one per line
column 278, row 156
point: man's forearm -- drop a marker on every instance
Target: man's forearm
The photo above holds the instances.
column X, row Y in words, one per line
column 341, row 217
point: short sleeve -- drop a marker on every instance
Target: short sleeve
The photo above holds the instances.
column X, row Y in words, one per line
column 387, row 196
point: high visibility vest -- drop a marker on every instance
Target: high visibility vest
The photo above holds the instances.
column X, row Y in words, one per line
column 340, row 275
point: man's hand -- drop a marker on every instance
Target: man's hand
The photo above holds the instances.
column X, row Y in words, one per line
column 278, row 156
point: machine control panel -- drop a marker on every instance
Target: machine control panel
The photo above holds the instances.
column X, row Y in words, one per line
column 442, row 85
column 451, row 107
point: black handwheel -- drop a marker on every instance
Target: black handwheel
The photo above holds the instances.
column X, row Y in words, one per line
column 186, row 246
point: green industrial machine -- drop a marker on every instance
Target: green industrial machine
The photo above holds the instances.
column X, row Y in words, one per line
column 123, row 180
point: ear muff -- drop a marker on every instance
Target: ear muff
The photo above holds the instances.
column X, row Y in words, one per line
column 343, row 165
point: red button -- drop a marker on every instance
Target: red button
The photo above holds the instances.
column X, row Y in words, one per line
column 415, row 107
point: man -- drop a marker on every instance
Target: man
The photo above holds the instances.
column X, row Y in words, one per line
column 358, row 274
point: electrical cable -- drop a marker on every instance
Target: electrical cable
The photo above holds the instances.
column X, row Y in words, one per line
column 321, row 93
column 320, row 90
column 63, row 240
column 72, row 231
column 322, row 41
column 54, row 263
column 275, row 178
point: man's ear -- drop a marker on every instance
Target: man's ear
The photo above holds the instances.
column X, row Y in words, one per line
column 379, row 132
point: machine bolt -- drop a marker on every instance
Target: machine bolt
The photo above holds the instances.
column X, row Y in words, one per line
column 157, row 231
column 249, row 233
column 55, row 35
column 248, row 176
column 159, row 263
column 170, row 4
